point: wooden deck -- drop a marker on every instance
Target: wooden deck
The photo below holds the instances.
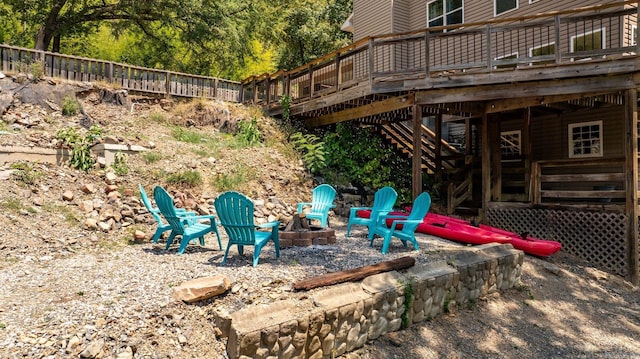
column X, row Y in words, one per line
column 460, row 69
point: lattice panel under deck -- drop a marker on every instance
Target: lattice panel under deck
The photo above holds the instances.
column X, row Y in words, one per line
column 599, row 237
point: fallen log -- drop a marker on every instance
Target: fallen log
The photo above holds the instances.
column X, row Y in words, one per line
column 355, row 274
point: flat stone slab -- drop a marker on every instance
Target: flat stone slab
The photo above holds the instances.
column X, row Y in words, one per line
column 430, row 270
column 254, row 318
column 383, row 282
column 201, row 288
column 339, row 295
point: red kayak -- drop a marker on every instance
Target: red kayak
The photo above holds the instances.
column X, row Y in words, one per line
column 459, row 230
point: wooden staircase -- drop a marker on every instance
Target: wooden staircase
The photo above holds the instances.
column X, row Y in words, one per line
column 456, row 168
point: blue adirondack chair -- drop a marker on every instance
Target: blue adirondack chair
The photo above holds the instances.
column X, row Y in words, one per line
column 383, row 202
column 155, row 212
column 321, row 202
column 186, row 226
column 409, row 224
column 235, row 212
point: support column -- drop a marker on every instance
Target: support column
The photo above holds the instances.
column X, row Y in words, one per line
column 631, row 183
column 416, row 163
column 525, row 143
column 486, row 166
column 438, row 147
column 496, row 160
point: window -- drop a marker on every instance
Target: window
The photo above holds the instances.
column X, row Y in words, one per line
column 502, row 6
column 585, row 139
column 593, row 40
column 543, row 50
column 506, row 58
column 634, row 35
column 444, row 12
column 511, row 145
column 532, row 1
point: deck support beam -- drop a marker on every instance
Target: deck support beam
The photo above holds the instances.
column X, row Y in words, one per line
column 486, row 166
column 416, row 162
column 631, row 183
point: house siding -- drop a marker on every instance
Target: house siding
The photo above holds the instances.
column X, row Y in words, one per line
column 372, row 17
column 376, row 17
column 549, row 134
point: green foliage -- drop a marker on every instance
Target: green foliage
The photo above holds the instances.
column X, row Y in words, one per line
column 158, row 117
column 311, row 149
column 80, row 146
column 525, row 288
column 70, row 106
column 11, row 204
column 285, row 102
column 234, row 179
column 3, row 326
column 188, row 178
column 120, row 165
column 26, row 173
column 37, row 70
column 408, row 303
column 248, row 132
column 311, row 29
column 151, row 157
column 182, row 135
column 358, row 156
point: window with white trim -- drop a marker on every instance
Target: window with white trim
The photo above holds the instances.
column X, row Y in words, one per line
column 585, row 139
column 592, row 40
column 441, row 12
column 543, row 50
column 502, row 6
column 499, row 59
column 511, row 144
column 634, row 35
column 532, row 1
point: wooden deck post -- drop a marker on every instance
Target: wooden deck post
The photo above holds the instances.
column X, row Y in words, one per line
column 496, row 159
column 525, row 145
column 438, row 147
column 486, row 165
column 417, row 152
column 631, row 183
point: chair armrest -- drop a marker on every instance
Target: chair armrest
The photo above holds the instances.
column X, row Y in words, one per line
column 353, row 210
column 301, row 206
column 270, row 224
column 191, row 219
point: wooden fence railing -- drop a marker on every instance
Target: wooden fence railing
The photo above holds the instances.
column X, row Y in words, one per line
column 129, row 77
column 583, row 34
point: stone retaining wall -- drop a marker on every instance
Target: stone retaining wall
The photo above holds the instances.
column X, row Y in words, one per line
column 342, row 318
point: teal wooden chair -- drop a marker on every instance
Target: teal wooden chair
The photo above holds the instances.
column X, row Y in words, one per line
column 383, row 202
column 409, row 224
column 188, row 227
column 235, row 212
column 321, row 202
column 155, row 212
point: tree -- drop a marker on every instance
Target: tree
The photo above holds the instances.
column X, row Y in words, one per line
column 311, row 30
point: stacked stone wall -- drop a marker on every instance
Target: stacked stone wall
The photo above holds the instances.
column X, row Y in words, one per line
column 342, row 318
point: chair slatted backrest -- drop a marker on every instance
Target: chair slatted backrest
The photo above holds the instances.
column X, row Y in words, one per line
column 168, row 210
column 383, row 201
column 322, row 198
column 147, row 204
column 421, row 206
column 235, row 213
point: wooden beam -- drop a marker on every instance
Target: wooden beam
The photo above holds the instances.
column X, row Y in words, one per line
column 525, row 143
column 438, row 148
column 371, row 109
column 496, row 159
column 354, row 274
column 486, row 165
column 526, row 89
column 416, row 160
column 517, row 103
column 631, row 183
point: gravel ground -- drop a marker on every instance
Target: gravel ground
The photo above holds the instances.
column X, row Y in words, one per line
column 117, row 303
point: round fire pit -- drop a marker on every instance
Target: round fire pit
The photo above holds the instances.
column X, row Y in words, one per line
column 306, row 237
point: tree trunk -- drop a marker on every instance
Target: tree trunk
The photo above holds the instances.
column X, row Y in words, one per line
column 355, row 274
column 56, row 43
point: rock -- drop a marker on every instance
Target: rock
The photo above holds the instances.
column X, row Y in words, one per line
column 67, row 196
column 88, row 188
column 110, row 178
column 86, row 206
column 202, row 288
column 104, row 226
column 90, row 224
column 93, row 349
column 110, row 188
column 139, row 236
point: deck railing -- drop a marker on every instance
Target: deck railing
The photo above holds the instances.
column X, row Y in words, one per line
column 583, row 34
column 129, row 77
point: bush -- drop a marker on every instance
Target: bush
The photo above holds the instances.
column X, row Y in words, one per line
column 70, row 106
column 248, row 132
column 188, row 178
column 80, row 146
column 311, row 149
column 26, row 173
